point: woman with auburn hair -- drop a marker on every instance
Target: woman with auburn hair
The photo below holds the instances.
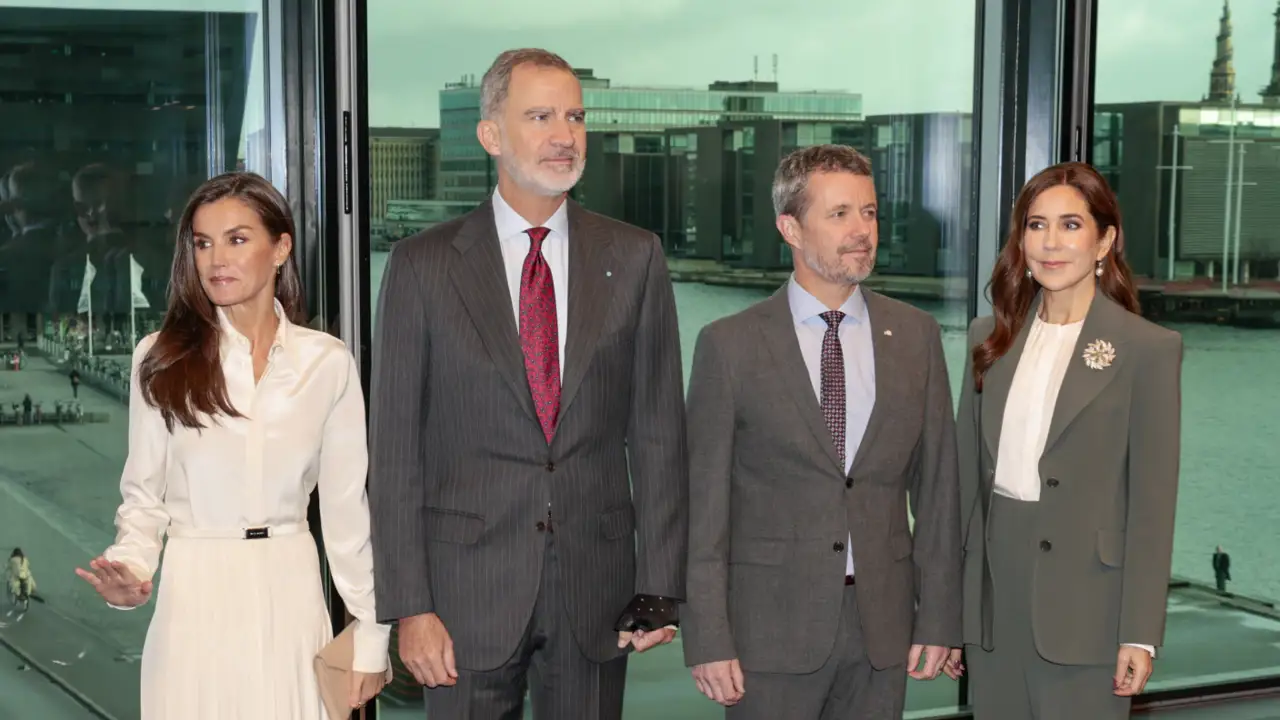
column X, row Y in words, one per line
column 236, row 414
column 1068, row 432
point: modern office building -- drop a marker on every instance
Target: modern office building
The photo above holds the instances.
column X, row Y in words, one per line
column 632, row 121
column 404, row 164
column 1202, row 178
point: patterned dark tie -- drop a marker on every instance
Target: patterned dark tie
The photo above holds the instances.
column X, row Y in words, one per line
column 539, row 333
column 833, row 400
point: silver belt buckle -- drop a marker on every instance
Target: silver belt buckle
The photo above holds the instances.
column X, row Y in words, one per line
column 257, row 533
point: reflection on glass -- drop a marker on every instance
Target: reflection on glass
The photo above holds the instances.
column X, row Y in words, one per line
column 686, row 124
column 1186, row 131
column 108, row 119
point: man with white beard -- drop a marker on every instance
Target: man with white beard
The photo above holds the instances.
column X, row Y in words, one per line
column 527, row 436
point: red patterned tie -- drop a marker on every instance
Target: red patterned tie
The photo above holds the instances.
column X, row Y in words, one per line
column 539, row 334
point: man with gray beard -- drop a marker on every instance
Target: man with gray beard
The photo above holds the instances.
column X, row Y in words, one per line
column 527, row 441
column 816, row 419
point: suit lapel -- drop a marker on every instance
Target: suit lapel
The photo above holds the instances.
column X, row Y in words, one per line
column 998, row 380
column 886, row 355
column 780, row 338
column 1082, row 384
column 590, row 297
column 481, row 282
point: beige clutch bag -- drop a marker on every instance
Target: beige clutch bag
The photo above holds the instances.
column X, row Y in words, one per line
column 333, row 672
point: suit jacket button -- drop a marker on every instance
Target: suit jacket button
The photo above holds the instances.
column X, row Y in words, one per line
column 848, row 482
column 551, row 467
column 1045, row 545
column 1053, row 482
column 838, row 547
column 541, row 526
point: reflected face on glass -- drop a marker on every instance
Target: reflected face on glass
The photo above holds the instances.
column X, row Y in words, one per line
column 1061, row 240
column 236, row 257
column 92, row 213
column 542, row 135
column 839, row 232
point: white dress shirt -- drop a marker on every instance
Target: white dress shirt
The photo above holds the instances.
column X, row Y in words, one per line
column 515, row 243
column 1027, row 414
column 1033, row 394
column 859, row 364
column 303, row 426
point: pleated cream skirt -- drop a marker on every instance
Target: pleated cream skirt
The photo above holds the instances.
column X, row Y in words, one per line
column 236, row 627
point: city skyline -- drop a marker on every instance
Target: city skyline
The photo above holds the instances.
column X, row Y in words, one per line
column 1149, row 50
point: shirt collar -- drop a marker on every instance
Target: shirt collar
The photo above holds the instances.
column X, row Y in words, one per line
column 804, row 306
column 233, row 337
column 511, row 225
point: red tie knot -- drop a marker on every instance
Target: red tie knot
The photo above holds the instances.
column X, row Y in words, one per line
column 536, row 236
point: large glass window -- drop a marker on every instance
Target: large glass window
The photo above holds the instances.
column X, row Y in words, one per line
column 110, row 114
column 688, row 114
column 1185, row 127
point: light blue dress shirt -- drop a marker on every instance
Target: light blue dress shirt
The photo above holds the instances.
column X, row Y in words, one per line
column 859, row 362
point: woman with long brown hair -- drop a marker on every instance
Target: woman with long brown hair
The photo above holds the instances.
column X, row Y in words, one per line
column 236, row 413
column 1068, row 432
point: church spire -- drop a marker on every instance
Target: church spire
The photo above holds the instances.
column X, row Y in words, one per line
column 1222, row 81
column 1271, row 93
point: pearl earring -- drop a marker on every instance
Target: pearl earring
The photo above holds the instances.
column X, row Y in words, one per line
column 1028, row 272
column 1098, row 270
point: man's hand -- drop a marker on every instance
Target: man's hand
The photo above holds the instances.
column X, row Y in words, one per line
column 427, row 650
column 1133, row 669
column 721, row 681
column 645, row 640
column 954, row 666
column 934, row 657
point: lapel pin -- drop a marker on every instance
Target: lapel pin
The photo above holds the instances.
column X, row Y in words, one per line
column 608, row 273
column 888, row 333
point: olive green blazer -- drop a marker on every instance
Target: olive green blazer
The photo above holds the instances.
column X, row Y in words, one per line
column 1110, row 480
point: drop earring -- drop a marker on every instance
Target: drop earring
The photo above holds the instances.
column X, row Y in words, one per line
column 1098, row 270
column 1028, row 272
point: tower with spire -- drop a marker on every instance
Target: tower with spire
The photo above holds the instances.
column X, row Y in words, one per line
column 1271, row 93
column 1222, row 81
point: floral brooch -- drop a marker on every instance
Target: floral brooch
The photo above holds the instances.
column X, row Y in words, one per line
column 1099, row 354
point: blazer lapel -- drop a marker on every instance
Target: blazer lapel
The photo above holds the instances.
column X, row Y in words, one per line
column 590, row 298
column 481, row 282
column 1082, row 384
column 998, row 380
column 780, row 338
column 885, row 353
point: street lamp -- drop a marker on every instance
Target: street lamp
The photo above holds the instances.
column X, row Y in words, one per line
column 1240, row 184
column 1173, row 167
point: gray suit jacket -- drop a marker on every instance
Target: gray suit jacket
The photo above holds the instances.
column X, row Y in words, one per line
column 1110, row 481
column 461, row 475
column 771, row 507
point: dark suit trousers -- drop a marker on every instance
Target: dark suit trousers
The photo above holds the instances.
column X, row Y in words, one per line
column 1012, row 682
column 845, row 687
column 562, row 683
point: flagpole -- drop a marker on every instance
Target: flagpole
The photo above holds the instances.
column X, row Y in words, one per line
column 90, row 323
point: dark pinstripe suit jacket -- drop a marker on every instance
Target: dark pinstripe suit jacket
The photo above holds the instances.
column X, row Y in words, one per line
column 460, row 473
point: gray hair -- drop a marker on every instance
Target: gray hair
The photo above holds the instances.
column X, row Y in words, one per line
column 792, row 177
column 497, row 79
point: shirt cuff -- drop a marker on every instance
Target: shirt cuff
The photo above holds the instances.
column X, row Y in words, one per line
column 371, row 641
column 1150, row 650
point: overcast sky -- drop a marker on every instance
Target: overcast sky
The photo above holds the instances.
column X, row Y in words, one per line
column 901, row 55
